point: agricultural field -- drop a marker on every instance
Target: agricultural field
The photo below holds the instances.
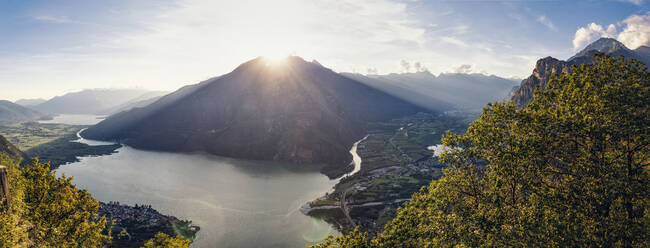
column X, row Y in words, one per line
column 396, row 162
column 29, row 135
column 52, row 142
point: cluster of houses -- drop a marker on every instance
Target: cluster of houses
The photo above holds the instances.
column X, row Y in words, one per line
column 143, row 215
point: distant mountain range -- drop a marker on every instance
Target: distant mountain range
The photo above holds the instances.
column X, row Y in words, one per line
column 93, row 101
column 549, row 66
column 11, row 113
column 294, row 111
column 30, row 102
column 444, row 92
column 138, row 102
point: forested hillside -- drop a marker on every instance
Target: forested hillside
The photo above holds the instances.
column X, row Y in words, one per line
column 571, row 169
column 10, row 150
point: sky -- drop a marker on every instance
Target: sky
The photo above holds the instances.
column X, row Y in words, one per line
column 52, row 47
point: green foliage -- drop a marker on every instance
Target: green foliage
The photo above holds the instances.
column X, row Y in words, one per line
column 47, row 211
column 572, row 169
column 162, row 240
column 10, row 150
column 354, row 239
column 123, row 234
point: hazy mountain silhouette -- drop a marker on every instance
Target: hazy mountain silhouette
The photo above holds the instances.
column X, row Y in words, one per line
column 444, row 92
column 11, row 113
column 30, row 102
column 91, row 101
column 295, row 111
column 138, row 102
column 644, row 52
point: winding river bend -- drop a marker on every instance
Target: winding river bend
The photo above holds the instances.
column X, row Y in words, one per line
column 237, row 203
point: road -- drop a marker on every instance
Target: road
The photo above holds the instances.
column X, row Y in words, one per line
column 344, row 207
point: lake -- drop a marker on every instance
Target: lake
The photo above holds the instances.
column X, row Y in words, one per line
column 71, row 119
column 237, row 203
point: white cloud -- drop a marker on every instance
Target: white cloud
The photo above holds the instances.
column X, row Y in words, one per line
column 186, row 41
column 52, row 19
column 546, row 22
column 419, row 67
column 193, row 40
column 635, row 2
column 405, row 65
column 636, row 32
column 591, row 32
column 454, row 41
column 338, row 33
column 466, row 69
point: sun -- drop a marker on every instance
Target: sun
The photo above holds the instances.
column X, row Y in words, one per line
column 275, row 58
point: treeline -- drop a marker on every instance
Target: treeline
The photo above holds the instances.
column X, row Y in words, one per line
column 571, row 169
column 46, row 211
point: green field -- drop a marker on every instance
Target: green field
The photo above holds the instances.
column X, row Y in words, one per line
column 396, row 163
column 52, row 142
column 29, row 135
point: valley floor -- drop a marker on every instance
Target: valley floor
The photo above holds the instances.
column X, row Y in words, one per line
column 52, row 142
column 396, row 162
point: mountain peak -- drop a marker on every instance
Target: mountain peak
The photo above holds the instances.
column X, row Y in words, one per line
column 265, row 63
column 605, row 45
column 267, row 109
column 643, row 50
column 546, row 67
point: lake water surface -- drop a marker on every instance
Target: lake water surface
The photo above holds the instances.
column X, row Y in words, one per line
column 236, row 203
column 71, row 119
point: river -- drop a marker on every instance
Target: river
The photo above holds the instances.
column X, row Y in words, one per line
column 237, row 203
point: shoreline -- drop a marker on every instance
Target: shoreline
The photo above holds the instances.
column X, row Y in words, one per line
column 356, row 160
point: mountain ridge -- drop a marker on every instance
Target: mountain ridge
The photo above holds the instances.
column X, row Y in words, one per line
column 295, row 111
column 11, row 113
column 30, row 102
column 447, row 91
column 88, row 101
column 547, row 67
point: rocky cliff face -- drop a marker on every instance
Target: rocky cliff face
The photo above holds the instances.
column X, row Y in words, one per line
column 544, row 70
column 293, row 111
column 547, row 67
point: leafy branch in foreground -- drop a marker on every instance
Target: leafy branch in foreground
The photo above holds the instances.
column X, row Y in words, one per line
column 47, row 211
column 162, row 240
column 572, row 169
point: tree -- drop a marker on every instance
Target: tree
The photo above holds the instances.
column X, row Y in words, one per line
column 162, row 240
column 354, row 239
column 47, row 211
column 571, row 169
